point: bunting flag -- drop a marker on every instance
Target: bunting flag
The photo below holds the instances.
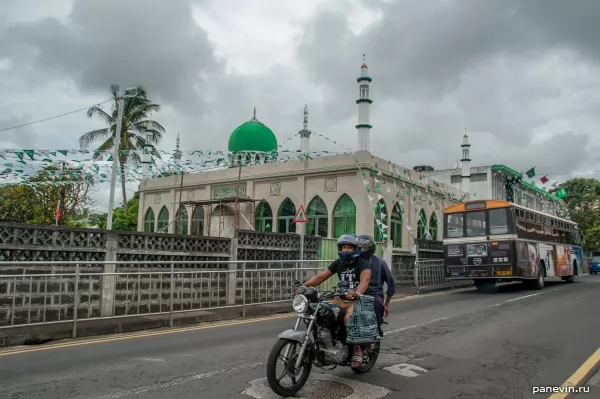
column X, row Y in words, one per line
column 531, row 172
column 544, row 179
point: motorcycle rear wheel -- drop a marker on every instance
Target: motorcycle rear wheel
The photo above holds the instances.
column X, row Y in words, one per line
column 298, row 379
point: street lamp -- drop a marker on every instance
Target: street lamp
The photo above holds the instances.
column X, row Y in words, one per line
column 121, row 95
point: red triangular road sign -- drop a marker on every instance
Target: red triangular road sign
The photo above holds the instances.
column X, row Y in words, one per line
column 301, row 215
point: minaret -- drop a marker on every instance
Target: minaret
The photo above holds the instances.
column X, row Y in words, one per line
column 147, row 152
column 466, row 163
column 177, row 154
column 364, row 109
column 305, row 133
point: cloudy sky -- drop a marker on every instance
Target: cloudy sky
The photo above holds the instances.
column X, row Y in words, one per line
column 522, row 75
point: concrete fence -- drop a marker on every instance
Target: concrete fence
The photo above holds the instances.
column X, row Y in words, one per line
column 63, row 292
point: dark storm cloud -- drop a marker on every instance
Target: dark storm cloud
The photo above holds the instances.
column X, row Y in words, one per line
column 440, row 66
column 150, row 42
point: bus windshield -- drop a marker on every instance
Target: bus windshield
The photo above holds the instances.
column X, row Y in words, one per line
column 477, row 223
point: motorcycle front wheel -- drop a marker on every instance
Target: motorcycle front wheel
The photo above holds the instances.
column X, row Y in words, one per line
column 298, row 378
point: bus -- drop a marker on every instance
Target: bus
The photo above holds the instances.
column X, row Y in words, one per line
column 490, row 241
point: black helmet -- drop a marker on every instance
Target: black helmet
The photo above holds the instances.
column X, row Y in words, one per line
column 367, row 244
column 348, row 239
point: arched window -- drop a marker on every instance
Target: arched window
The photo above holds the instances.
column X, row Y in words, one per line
column 198, row 221
column 317, row 217
column 181, row 221
column 422, row 225
column 163, row 220
column 396, row 226
column 264, row 217
column 285, row 217
column 149, row 221
column 344, row 216
column 381, row 228
column 433, row 227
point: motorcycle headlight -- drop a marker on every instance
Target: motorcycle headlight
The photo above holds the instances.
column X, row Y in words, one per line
column 300, row 304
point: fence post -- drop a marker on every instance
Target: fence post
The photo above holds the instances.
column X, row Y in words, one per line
column 76, row 300
column 244, row 289
column 416, row 275
column 171, row 295
column 232, row 275
column 108, row 282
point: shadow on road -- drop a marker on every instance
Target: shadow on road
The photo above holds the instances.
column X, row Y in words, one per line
column 510, row 288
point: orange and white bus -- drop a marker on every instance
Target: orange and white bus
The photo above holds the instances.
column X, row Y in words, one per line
column 488, row 241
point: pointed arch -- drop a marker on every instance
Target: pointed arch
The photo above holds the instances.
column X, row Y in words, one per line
column 381, row 226
column 263, row 221
column 396, row 226
column 163, row 220
column 285, row 217
column 422, row 225
column 344, row 216
column 198, row 221
column 317, row 217
column 433, row 226
column 149, row 220
column 181, row 221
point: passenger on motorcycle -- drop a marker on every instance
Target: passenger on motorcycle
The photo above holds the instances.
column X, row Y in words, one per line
column 356, row 271
column 380, row 274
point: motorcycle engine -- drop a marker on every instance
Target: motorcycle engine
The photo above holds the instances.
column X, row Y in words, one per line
column 333, row 353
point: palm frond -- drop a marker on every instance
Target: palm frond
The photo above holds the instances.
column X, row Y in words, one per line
column 88, row 138
column 98, row 112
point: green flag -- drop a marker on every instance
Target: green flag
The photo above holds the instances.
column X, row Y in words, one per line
column 562, row 193
column 531, row 172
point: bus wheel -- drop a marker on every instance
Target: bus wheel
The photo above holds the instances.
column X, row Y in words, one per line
column 539, row 281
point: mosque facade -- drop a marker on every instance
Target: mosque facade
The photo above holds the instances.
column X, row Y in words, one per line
column 356, row 192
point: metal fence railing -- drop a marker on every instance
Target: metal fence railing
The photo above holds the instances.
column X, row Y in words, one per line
column 38, row 293
column 431, row 273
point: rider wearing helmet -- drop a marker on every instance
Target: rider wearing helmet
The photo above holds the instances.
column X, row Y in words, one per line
column 380, row 274
column 356, row 271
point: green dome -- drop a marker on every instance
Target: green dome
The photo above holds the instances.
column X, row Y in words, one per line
column 252, row 136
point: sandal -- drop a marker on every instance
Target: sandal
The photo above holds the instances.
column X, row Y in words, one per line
column 356, row 361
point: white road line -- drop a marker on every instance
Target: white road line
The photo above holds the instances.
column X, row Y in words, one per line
column 177, row 381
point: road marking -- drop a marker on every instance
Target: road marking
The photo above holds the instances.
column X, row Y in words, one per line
column 19, row 350
column 577, row 377
column 406, row 370
column 259, row 389
column 177, row 381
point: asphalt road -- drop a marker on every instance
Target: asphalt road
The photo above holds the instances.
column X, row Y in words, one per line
column 450, row 345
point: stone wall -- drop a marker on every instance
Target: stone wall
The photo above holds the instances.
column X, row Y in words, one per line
column 38, row 294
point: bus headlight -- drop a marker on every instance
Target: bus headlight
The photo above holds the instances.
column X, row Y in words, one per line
column 300, row 304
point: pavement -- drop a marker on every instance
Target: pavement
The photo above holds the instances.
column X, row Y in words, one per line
column 453, row 344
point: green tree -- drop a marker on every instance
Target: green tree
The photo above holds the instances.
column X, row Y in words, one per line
column 137, row 130
column 35, row 202
column 124, row 219
column 583, row 202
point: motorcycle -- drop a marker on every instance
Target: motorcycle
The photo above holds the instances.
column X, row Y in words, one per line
column 323, row 343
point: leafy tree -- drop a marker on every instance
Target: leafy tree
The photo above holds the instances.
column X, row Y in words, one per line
column 137, row 130
column 123, row 219
column 35, row 202
column 583, row 201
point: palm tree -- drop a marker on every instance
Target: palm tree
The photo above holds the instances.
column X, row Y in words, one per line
column 137, row 130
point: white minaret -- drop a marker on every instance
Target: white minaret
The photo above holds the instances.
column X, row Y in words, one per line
column 305, row 133
column 147, row 156
column 364, row 108
column 177, row 154
column 466, row 163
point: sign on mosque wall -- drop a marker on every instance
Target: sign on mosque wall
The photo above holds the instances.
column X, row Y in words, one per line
column 228, row 192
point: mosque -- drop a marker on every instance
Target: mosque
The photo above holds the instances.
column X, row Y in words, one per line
column 350, row 193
